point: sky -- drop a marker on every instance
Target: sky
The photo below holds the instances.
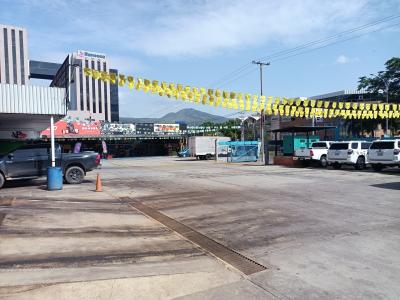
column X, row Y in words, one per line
column 212, row 43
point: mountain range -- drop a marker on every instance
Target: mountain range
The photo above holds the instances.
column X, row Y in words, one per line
column 189, row 116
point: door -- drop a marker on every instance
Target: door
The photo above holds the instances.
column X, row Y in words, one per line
column 42, row 160
column 21, row 163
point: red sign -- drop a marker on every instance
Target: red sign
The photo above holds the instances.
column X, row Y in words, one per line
column 65, row 128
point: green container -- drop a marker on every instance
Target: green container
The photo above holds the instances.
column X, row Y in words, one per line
column 299, row 141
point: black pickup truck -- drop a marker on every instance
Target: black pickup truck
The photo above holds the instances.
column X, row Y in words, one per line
column 31, row 161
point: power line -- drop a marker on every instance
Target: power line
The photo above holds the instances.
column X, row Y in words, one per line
column 336, row 42
column 335, row 36
column 227, row 78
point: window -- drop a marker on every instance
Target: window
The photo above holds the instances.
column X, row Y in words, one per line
column 87, row 88
column 7, row 63
column 382, row 145
column 93, row 90
column 82, row 102
column 354, row 146
column 14, row 55
column 99, row 84
column 22, row 154
column 339, row 146
column 319, row 145
column 365, row 145
column 105, row 95
column 21, row 56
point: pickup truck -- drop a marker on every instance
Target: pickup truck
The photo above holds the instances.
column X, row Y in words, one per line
column 31, row 161
column 317, row 152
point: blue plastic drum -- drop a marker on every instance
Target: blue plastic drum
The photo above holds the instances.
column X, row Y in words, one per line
column 54, row 178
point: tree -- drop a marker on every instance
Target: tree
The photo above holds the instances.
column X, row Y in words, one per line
column 390, row 77
column 387, row 81
column 226, row 129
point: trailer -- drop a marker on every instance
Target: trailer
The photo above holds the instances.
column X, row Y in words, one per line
column 203, row 147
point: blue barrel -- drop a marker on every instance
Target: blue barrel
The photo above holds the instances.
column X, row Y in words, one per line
column 54, row 178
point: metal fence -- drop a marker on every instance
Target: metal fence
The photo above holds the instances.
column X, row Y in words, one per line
column 240, row 151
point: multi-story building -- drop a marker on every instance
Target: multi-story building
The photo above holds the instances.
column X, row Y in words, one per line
column 89, row 98
column 14, row 64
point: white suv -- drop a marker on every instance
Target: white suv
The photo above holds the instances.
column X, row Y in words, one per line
column 348, row 153
column 384, row 153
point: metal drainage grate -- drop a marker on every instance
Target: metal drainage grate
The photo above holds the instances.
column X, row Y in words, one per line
column 231, row 257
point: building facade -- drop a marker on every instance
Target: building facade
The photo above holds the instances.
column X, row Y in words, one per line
column 14, row 63
column 88, row 98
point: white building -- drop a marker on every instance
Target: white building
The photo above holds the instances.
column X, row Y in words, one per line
column 89, row 99
column 14, row 64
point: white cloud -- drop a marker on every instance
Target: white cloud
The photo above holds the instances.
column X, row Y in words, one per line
column 343, row 59
column 194, row 28
column 219, row 25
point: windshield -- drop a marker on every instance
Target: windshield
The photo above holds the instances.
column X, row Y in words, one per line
column 382, row 145
column 319, row 145
column 339, row 146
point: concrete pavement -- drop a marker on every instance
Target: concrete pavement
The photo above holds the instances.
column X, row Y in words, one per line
column 322, row 233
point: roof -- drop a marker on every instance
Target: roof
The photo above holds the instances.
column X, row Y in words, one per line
column 339, row 93
column 293, row 129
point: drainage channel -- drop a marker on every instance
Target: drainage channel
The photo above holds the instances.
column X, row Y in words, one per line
column 240, row 262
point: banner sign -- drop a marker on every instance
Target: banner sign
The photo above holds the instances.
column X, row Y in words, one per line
column 167, row 128
column 74, row 128
column 289, row 107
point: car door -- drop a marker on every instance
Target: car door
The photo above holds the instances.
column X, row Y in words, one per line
column 21, row 163
column 42, row 160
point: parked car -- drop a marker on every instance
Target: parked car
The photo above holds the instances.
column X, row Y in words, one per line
column 184, row 153
column 317, row 152
column 384, row 153
column 348, row 153
column 31, row 161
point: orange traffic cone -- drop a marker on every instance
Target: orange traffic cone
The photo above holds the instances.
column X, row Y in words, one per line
column 99, row 186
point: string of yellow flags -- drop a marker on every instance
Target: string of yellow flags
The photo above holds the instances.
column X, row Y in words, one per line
column 288, row 107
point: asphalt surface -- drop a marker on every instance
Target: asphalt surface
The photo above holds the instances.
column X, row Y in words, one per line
column 321, row 233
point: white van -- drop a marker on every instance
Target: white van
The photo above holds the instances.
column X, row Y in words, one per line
column 384, row 153
column 348, row 153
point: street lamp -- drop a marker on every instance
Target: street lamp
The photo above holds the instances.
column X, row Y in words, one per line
column 387, row 82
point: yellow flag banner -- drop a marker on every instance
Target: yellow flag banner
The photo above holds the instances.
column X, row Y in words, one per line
column 288, row 107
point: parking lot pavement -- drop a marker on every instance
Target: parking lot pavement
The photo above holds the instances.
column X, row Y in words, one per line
column 320, row 233
column 79, row 244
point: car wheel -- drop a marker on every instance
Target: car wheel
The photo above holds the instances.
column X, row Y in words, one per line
column 323, row 161
column 74, row 175
column 377, row 168
column 360, row 163
column 2, row 180
column 336, row 165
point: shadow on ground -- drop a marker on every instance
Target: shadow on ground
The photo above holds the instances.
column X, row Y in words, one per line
column 389, row 185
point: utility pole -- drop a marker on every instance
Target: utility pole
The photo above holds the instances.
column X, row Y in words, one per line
column 264, row 148
column 387, row 82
